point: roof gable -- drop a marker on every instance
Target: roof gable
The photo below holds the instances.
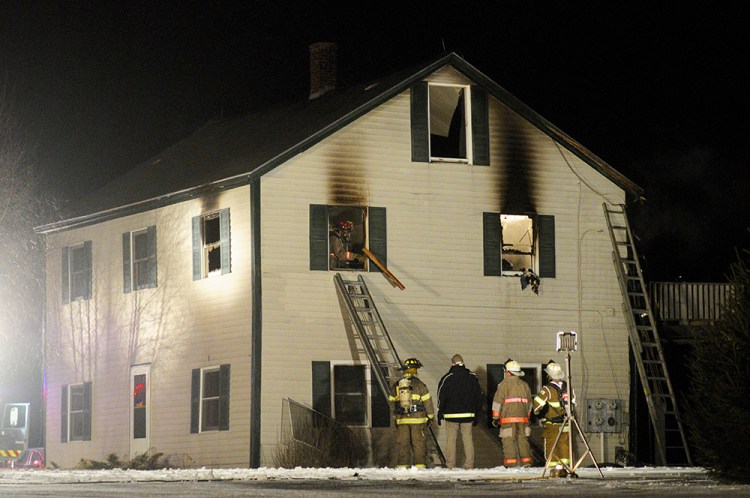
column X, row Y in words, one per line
column 230, row 153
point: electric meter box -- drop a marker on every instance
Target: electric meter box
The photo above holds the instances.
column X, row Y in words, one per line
column 604, row 415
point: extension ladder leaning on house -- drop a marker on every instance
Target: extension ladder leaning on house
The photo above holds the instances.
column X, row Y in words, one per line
column 384, row 360
column 671, row 442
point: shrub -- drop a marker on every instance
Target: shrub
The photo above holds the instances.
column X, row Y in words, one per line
column 148, row 460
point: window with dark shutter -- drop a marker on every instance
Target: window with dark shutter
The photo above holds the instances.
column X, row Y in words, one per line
column 514, row 242
column 209, row 403
column 339, row 234
column 212, row 245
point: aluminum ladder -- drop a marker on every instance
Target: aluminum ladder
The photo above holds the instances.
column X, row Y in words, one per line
column 384, row 360
column 671, row 441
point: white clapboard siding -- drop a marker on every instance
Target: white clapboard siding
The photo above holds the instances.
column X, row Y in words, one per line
column 434, row 217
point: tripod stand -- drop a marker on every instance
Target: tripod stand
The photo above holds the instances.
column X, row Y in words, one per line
column 567, row 342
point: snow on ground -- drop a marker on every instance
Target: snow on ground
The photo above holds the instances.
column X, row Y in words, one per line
column 630, row 481
column 376, row 474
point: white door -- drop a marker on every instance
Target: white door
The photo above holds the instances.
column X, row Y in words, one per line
column 140, row 418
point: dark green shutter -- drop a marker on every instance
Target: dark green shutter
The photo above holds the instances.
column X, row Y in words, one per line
column 195, row 400
column 86, row 411
column 65, row 286
column 126, row 283
column 88, row 262
column 420, row 123
column 151, row 235
column 321, row 387
column 546, row 246
column 224, row 398
column 318, row 237
column 495, row 374
column 64, row 415
column 492, row 244
column 480, row 127
column 226, row 241
column 380, row 408
column 378, row 240
column 197, row 248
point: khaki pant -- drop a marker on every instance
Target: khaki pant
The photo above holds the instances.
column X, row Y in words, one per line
column 411, row 437
column 516, row 448
column 452, row 430
column 561, row 452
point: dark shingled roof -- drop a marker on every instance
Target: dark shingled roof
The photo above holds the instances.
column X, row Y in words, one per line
column 229, row 153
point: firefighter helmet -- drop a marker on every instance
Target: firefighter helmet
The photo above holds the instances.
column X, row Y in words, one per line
column 554, row 371
column 514, row 368
column 345, row 226
column 411, row 363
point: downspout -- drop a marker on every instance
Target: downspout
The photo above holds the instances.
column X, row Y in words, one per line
column 256, row 339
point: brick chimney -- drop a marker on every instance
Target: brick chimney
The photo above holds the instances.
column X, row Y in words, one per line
column 322, row 68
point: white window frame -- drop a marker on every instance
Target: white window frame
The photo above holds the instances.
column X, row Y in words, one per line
column 208, row 247
column 203, row 398
column 534, row 245
column 368, row 388
column 77, row 296
column 80, row 413
column 136, row 283
column 467, row 124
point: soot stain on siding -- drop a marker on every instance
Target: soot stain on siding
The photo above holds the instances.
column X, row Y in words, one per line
column 516, row 173
column 346, row 181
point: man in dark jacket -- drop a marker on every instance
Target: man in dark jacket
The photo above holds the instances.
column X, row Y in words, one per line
column 460, row 401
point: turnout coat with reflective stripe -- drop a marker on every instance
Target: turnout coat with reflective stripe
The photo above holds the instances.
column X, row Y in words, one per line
column 460, row 396
column 420, row 396
column 512, row 402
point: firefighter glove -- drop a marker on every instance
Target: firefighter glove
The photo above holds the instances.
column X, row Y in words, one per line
column 495, row 422
column 399, row 410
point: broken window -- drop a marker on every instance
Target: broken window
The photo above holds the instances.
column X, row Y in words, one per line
column 517, row 235
column 449, row 125
column 211, row 244
column 347, row 236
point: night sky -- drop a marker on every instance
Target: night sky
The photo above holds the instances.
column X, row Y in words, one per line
column 657, row 90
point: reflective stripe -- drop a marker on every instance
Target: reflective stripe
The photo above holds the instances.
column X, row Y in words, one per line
column 495, row 414
column 511, row 461
column 426, row 397
column 416, row 396
column 514, row 420
column 515, row 400
column 539, row 400
column 411, row 421
column 392, row 398
column 458, row 415
column 554, row 404
column 526, row 459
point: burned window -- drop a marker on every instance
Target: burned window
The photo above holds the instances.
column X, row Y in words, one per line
column 350, row 394
column 347, row 237
column 517, row 235
column 211, row 244
column 448, row 122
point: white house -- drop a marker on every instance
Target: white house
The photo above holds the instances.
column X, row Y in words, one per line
column 190, row 296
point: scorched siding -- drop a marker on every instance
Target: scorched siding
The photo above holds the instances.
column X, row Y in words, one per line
column 434, row 218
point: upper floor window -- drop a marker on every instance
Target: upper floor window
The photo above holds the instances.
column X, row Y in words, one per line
column 514, row 242
column 210, row 399
column 449, row 111
column 449, row 123
column 139, row 259
column 76, row 272
column 211, row 244
column 339, row 235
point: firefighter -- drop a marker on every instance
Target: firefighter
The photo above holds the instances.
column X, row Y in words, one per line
column 511, row 408
column 412, row 409
column 338, row 244
column 460, row 401
column 549, row 404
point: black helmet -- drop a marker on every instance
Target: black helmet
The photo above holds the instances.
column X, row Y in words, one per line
column 411, row 363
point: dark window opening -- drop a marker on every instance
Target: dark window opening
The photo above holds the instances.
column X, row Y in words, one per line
column 347, row 236
column 448, row 125
column 350, row 394
column 210, row 400
column 212, row 243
